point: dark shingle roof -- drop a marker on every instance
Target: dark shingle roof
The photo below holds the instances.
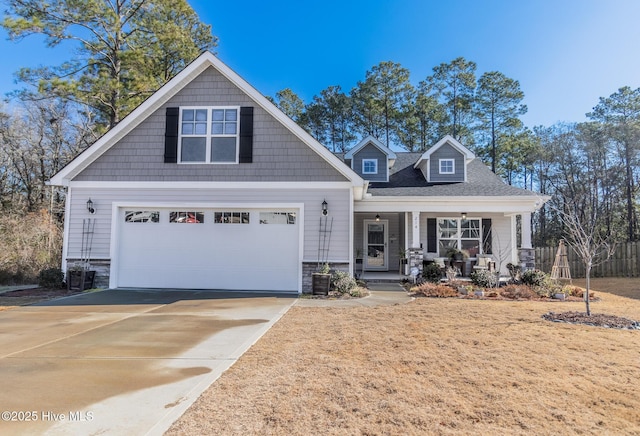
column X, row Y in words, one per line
column 404, row 180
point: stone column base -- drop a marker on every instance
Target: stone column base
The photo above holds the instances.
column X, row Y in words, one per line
column 527, row 258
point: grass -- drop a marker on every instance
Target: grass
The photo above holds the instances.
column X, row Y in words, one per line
column 433, row 366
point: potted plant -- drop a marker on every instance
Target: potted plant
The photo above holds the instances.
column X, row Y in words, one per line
column 404, row 262
column 321, row 281
column 456, row 254
column 79, row 278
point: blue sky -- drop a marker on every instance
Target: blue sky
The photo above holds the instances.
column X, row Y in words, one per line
column 565, row 53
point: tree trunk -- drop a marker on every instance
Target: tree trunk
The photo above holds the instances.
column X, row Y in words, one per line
column 587, row 287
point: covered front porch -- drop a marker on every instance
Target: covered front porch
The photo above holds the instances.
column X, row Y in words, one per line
column 395, row 242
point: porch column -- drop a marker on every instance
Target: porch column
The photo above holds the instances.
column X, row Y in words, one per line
column 415, row 225
column 525, row 220
column 416, row 254
column 526, row 253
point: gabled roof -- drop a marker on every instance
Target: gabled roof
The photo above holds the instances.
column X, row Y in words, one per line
column 407, row 181
column 171, row 88
column 448, row 139
column 370, row 140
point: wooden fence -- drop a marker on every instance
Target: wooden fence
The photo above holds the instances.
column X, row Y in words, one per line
column 625, row 262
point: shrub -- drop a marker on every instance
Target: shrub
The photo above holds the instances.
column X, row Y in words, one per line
column 51, row 278
column 342, row 282
column 534, row 277
column 432, row 273
column 518, row 292
column 515, row 272
column 483, row 278
column 435, row 290
column 573, row 291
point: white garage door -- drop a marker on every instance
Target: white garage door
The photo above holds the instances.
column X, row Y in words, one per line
column 237, row 249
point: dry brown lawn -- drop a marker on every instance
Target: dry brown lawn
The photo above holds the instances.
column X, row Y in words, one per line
column 433, row 366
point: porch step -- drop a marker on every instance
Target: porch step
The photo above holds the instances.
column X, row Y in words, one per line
column 397, row 280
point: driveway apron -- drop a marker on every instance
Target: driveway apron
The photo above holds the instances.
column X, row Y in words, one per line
column 122, row 361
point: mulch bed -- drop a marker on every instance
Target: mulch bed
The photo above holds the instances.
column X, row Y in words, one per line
column 595, row 319
column 23, row 297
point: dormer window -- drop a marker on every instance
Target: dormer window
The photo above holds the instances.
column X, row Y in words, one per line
column 369, row 166
column 447, row 166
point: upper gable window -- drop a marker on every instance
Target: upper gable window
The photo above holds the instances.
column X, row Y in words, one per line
column 369, row 166
column 208, row 135
column 447, row 166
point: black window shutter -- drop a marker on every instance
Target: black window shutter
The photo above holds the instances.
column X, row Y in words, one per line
column 171, row 135
column 246, row 135
column 432, row 237
column 487, row 243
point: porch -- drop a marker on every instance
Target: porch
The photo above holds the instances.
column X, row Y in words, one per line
column 389, row 244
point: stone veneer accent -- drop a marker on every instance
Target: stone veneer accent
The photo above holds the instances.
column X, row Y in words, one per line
column 101, row 267
column 527, row 258
column 309, row 268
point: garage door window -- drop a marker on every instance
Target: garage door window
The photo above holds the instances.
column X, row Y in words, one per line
column 277, row 217
column 186, row 217
column 231, row 217
column 141, row 216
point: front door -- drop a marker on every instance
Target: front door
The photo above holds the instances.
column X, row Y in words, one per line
column 375, row 244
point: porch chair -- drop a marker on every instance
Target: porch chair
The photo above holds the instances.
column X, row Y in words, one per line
column 485, row 263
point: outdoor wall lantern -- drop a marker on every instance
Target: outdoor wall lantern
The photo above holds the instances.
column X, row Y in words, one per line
column 377, row 217
column 325, row 211
column 90, row 207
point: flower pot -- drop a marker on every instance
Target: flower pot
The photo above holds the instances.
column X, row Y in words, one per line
column 320, row 283
column 80, row 280
column 560, row 296
column 479, row 293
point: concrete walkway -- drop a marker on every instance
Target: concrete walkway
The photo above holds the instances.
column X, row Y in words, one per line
column 382, row 294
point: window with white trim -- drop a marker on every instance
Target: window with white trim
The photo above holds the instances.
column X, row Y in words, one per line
column 186, row 217
column 369, row 166
column 447, row 166
column 277, row 217
column 459, row 234
column 142, row 216
column 209, row 135
column 231, row 217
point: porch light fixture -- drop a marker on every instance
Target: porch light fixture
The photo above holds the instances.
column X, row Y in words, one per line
column 325, row 211
column 90, row 207
column 377, row 217
column 464, row 215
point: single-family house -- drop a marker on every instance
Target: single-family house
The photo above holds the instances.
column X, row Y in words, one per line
column 208, row 185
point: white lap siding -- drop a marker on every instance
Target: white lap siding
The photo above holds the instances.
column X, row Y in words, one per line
column 104, row 199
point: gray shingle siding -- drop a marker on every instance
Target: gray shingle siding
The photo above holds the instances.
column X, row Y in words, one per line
column 371, row 152
column 405, row 180
column 278, row 155
column 446, row 152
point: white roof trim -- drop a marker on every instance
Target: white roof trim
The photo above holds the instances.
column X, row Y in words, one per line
column 448, row 139
column 171, row 88
column 370, row 140
column 507, row 204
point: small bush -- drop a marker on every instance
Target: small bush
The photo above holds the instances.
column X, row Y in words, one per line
column 573, row 291
column 515, row 272
column 534, row 277
column 432, row 273
column 483, row 278
column 342, row 282
column 51, row 278
column 435, row 290
column 515, row 292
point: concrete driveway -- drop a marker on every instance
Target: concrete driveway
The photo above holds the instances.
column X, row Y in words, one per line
column 122, row 361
